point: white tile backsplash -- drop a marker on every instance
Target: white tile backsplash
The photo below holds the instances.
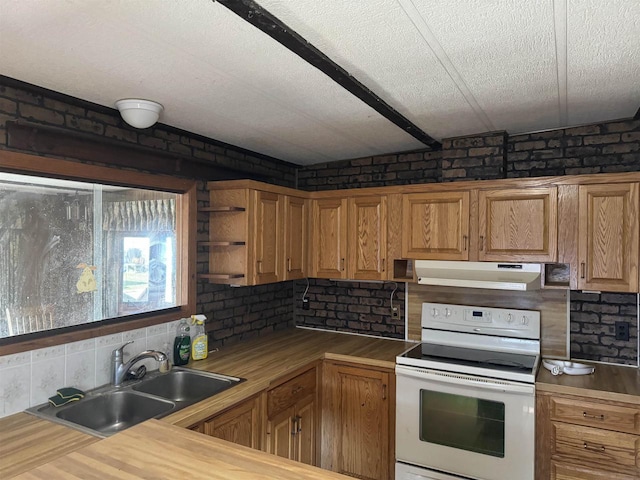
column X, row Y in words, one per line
column 30, row 378
column 46, row 377
column 15, row 389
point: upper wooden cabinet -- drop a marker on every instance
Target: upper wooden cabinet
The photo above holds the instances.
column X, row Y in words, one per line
column 518, row 224
column 269, row 237
column 296, row 237
column 608, row 237
column 256, row 236
column 436, row 226
column 349, row 238
column 367, row 238
column 329, row 238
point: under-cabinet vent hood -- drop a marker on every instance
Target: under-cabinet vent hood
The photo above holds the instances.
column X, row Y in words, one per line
column 496, row 276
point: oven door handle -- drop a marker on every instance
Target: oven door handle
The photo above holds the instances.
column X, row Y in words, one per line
column 464, row 380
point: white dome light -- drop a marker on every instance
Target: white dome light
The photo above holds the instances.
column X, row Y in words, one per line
column 139, row 113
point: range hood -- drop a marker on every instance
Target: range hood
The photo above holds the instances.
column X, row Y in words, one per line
column 496, row 276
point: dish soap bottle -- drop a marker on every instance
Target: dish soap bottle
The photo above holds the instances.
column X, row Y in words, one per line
column 200, row 344
column 182, row 344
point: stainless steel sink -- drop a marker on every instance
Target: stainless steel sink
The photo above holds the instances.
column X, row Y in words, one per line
column 185, row 385
column 111, row 412
column 109, row 409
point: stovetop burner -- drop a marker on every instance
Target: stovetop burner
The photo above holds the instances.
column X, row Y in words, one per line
column 502, row 361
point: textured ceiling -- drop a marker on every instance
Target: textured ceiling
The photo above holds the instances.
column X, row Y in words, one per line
column 452, row 67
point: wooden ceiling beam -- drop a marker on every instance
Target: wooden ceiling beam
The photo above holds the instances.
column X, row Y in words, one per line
column 260, row 18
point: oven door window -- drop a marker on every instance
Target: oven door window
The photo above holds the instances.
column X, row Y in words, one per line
column 465, row 423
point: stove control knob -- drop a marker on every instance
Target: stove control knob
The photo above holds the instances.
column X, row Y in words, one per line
column 525, row 320
column 434, row 312
column 447, row 312
column 509, row 318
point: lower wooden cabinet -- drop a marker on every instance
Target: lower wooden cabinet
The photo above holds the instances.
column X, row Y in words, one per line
column 241, row 424
column 292, row 418
column 358, row 436
column 586, row 439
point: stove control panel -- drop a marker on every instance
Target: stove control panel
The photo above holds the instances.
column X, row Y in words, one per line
column 466, row 318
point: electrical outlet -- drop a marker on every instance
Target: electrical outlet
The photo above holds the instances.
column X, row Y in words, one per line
column 394, row 312
column 305, row 304
column 622, row 331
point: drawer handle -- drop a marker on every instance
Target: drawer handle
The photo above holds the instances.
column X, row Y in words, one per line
column 593, row 448
column 595, row 417
column 296, row 390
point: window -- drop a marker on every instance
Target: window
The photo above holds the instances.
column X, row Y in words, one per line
column 73, row 252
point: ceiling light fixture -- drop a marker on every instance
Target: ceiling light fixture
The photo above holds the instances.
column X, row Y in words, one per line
column 139, row 113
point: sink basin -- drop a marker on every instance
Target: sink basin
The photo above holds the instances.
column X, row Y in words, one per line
column 109, row 409
column 112, row 412
column 185, row 385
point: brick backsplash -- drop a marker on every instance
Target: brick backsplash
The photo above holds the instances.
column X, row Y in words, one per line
column 357, row 307
column 593, row 317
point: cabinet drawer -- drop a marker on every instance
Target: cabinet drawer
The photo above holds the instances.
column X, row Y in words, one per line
column 562, row 471
column 600, row 449
column 289, row 393
column 600, row 415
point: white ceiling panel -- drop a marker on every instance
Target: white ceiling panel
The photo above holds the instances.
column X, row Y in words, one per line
column 603, row 68
column 452, row 67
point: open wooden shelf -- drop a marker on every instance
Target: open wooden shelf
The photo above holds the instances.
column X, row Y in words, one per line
column 223, row 209
column 221, row 244
column 220, row 276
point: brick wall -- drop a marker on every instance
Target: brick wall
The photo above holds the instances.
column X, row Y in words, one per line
column 234, row 313
column 601, row 148
column 593, row 318
column 361, row 307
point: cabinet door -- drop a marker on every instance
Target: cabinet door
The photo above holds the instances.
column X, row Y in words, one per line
column 281, row 431
column 306, row 431
column 436, row 226
column 518, row 225
column 608, row 233
column 367, row 238
column 329, row 249
column 296, row 232
column 359, row 431
column 241, row 424
column 269, row 240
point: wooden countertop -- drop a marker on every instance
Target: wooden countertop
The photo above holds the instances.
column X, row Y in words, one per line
column 608, row 382
column 156, row 450
column 26, row 441
column 265, row 360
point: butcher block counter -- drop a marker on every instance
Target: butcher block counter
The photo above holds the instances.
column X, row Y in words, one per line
column 26, row 441
column 156, row 450
column 608, row 382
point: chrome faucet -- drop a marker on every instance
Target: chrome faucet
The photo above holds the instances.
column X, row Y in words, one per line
column 119, row 369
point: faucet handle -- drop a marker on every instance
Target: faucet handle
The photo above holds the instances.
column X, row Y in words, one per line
column 119, row 352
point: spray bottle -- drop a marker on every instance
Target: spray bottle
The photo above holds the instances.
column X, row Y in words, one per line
column 200, row 343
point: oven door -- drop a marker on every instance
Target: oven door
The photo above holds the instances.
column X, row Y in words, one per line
column 471, row 426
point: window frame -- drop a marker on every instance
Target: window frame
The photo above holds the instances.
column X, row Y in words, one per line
column 186, row 232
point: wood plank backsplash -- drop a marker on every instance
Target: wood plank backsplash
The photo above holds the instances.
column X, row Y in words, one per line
column 552, row 304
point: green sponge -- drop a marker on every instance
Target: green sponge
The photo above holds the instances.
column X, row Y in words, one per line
column 70, row 392
column 66, row 395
